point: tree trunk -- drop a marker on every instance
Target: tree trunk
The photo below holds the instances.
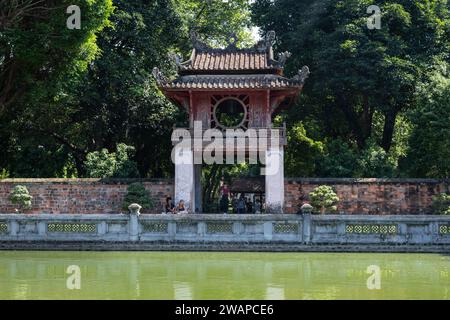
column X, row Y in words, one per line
column 388, row 130
column 360, row 124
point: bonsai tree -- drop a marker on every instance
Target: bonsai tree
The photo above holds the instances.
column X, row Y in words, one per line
column 21, row 197
column 441, row 204
column 323, row 199
column 136, row 193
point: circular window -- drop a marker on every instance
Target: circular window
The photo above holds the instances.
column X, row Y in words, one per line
column 230, row 113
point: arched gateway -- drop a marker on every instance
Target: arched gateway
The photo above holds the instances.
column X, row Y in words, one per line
column 231, row 88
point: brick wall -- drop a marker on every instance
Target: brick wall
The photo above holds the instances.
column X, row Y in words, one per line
column 80, row 195
column 370, row 196
column 365, row 196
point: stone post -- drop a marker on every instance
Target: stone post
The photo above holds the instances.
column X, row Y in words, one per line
column 197, row 204
column 133, row 224
column 13, row 228
column 306, row 212
column 184, row 177
column 274, row 173
column 42, row 228
column 268, row 230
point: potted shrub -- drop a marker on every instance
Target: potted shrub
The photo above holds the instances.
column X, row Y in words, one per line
column 323, row 199
column 21, row 198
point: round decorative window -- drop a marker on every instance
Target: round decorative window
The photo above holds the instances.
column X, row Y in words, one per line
column 230, row 113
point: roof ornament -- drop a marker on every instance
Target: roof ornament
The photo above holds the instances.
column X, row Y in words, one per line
column 196, row 42
column 266, row 43
column 302, row 74
column 282, row 58
column 232, row 41
column 159, row 76
column 178, row 59
column 270, row 38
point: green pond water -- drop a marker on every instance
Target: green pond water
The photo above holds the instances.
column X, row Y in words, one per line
column 213, row 275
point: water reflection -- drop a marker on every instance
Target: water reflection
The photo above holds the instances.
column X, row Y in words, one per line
column 182, row 291
column 179, row 275
column 275, row 293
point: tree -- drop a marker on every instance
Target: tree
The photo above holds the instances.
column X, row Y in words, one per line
column 102, row 164
column 429, row 143
column 356, row 71
column 302, row 152
column 95, row 89
column 40, row 58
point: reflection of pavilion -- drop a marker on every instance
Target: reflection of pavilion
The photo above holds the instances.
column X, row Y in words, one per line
column 232, row 88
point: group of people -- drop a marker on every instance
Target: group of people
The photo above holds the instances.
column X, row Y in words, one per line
column 240, row 204
column 171, row 208
column 244, row 205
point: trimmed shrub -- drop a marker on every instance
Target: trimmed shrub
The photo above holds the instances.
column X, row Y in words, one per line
column 323, row 199
column 136, row 193
column 21, row 197
column 441, row 204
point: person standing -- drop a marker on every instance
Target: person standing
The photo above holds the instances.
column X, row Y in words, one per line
column 224, row 191
column 249, row 205
column 241, row 205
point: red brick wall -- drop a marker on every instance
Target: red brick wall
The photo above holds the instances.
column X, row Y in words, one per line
column 80, row 195
column 367, row 196
column 370, row 196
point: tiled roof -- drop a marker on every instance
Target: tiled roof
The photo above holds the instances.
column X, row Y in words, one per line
column 231, row 59
column 231, row 82
column 236, row 61
column 231, row 68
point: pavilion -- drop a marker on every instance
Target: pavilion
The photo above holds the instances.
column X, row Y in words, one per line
column 232, row 88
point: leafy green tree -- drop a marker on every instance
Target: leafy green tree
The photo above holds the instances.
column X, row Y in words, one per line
column 136, row 193
column 90, row 89
column 37, row 49
column 340, row 159
column 356, row 71
column 21, row 197
column 302, row 152
column 429, row 143
column 216, row 20
column 374, row 161
column 40, row 59
column 103, row 164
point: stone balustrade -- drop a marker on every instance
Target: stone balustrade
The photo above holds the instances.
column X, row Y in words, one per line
column 243, row 230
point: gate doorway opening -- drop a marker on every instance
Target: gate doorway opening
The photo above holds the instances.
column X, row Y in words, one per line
column 232, row 188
